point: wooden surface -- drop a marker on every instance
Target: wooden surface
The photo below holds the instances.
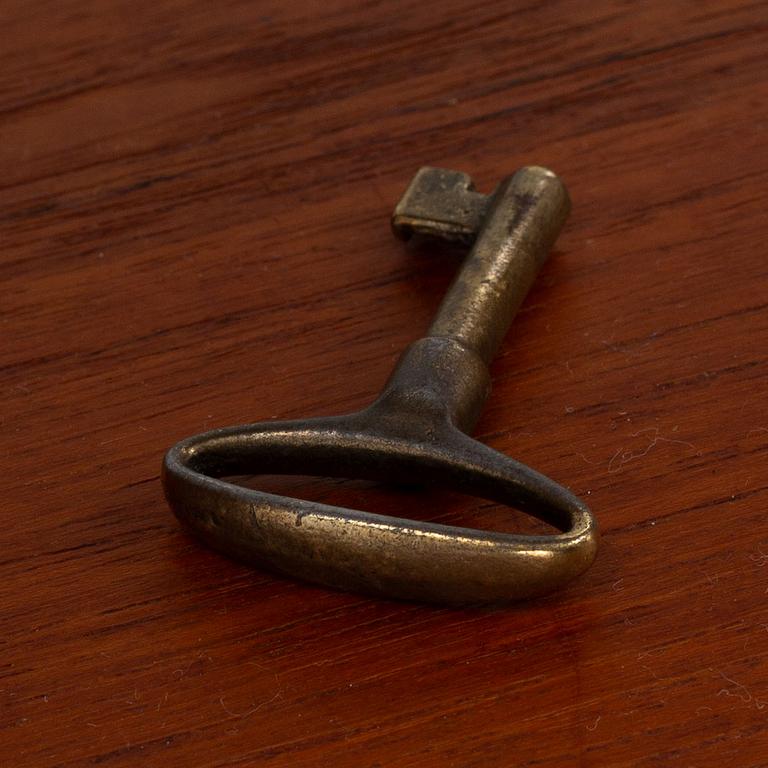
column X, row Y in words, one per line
column 194, row 232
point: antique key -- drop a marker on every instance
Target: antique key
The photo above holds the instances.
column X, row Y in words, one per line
column 414, row 432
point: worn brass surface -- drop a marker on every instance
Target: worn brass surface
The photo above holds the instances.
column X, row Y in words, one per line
column 415, row 432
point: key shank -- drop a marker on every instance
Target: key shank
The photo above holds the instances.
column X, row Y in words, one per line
column 521, row 222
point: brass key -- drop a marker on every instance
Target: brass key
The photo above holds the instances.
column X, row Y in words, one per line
column 414, row 432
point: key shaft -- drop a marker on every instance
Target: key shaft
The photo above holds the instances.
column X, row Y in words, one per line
column 525, row 216
column 513, row 231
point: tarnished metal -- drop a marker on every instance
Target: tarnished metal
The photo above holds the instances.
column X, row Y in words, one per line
column 415, row 432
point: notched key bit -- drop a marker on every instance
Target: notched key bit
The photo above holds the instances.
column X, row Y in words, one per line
column 440, row 204
column 416, row 431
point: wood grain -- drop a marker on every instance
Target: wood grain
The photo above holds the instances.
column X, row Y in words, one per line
column 194, row 207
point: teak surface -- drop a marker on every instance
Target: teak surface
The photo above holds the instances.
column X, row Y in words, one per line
column 194, row 232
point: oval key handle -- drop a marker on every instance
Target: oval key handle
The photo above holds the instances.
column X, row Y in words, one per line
column 415, row 432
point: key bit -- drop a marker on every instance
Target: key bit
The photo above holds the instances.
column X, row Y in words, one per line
column 415, row 432
column 440, row 204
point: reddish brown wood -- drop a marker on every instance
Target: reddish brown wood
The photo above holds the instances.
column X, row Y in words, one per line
column 194, row 228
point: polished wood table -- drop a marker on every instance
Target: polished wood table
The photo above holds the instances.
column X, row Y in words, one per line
column 194, row 232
